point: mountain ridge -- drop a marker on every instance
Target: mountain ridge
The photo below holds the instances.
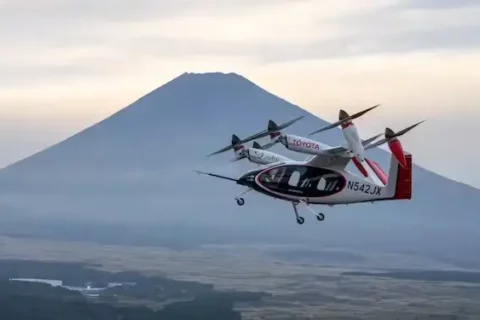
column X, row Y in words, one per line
column 135, row 167
column 165, row 86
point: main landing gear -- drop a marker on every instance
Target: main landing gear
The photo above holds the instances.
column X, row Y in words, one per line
column 300, row 219
column 241, row 201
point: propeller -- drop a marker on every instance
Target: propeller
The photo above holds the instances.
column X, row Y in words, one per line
column 391, row 135
column 369, row 140
column 266, row 146
column 272, row 127
column 343, row 118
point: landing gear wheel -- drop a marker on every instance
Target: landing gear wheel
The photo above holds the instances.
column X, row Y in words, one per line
column 300, row 220
column 240, row 201
column 320, row 217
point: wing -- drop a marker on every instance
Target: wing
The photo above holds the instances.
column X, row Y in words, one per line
column 334, row 157
column 329, row 161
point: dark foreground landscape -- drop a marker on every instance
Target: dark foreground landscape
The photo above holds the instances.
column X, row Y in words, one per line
column 228, row 282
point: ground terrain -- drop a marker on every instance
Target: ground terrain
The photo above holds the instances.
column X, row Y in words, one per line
column 303, row 284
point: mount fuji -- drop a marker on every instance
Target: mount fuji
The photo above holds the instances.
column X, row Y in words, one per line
column 135, row 168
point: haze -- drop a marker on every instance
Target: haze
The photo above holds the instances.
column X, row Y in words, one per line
column 68, row 64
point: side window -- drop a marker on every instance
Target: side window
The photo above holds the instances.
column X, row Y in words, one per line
column 322, row 183
column 328, row 182
column 294, row 179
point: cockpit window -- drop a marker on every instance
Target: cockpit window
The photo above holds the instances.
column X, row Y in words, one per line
column 322, row 184
column 294, row 179
column 308, row 181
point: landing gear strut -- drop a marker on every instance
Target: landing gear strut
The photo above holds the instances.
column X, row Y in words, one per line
column 241, row 201
column 301, row 220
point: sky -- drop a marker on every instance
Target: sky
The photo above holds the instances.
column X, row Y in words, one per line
column 65, row 65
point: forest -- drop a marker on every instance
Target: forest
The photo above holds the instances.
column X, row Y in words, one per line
column 27, row 300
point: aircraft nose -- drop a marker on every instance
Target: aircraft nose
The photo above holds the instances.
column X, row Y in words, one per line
column 247, row 179
column 243, row 179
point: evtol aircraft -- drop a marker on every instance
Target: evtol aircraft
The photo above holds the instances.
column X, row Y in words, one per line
column 323, row 179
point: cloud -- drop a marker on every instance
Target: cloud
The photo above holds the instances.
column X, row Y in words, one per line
column 125, row 10
column 80, row 38
column 438, row 4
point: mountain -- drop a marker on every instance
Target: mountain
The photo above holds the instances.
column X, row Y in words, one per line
column 135, row 167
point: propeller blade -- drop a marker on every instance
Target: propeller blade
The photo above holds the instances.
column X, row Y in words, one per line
column 361, row 113
column 289, row 123
column 392, row 136
column 333, row 125
column 237, row 159
column 376, row 144
column 344, row 119
column 266, row 132
column 269, row 145
column 369, row 140
column 402, row 132
column 221, row 150
column 258, row 135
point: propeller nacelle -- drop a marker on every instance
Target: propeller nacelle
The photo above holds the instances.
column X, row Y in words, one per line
column 238, row 147
column 273, row 130
column 395, row 147
column 391, row 138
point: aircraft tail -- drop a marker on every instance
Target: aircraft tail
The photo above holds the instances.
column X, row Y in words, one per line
column 399, row 183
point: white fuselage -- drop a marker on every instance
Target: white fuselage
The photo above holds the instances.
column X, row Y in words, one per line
column 303, row 145
column 354, row 142
column 316, row 185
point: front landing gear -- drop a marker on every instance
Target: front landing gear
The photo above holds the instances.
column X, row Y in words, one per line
column 241, row 201
column 301, row 220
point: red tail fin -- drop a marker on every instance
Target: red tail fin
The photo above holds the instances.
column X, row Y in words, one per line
column 403, row 188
